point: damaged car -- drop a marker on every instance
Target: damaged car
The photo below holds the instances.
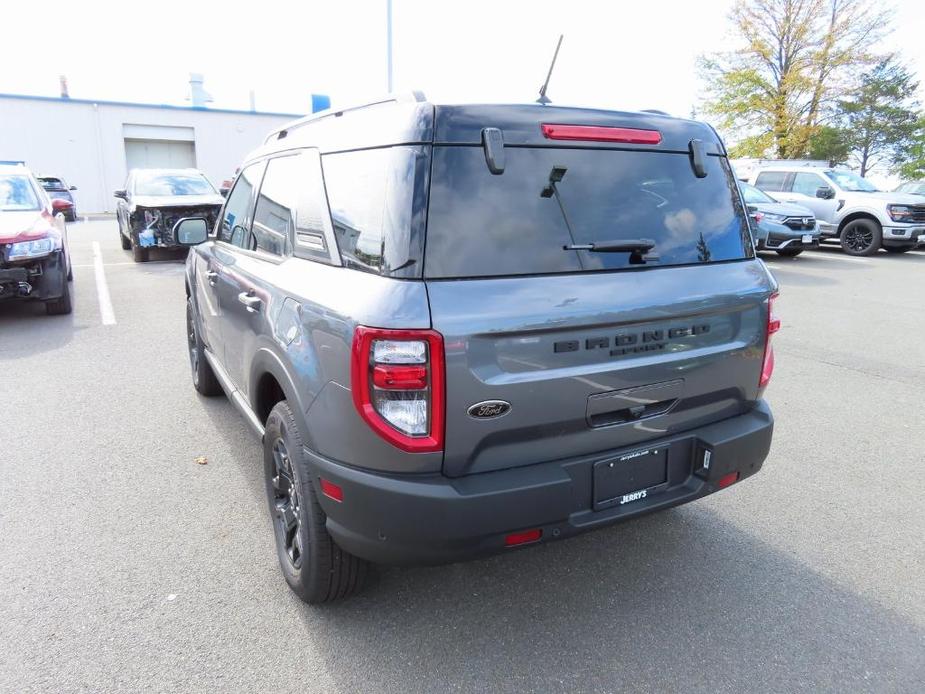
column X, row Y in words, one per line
column 152, row 202
column 35, row 264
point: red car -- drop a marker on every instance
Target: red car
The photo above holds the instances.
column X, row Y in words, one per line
column 35, row 264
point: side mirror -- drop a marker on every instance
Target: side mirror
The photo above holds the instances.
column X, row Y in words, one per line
column 73, row 188
column 60, row 204
column 191, row 231
column 121, row 194
column 825, row 193
column 223, row 192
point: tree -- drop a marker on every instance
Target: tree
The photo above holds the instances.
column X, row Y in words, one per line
column 880, row 115
column 831, row 144
column 912, row 167
column 773, row 92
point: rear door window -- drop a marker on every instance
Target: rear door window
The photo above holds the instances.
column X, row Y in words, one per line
column 807, row 184
column 481, row 224
column 772, row 181
column 378, row 203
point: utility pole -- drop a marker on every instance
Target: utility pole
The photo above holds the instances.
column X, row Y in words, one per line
column 388, row 29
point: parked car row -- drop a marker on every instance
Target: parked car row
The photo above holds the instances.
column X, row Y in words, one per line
column 848, row 208
column 35, row 263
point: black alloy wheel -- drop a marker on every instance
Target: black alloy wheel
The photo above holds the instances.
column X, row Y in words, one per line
column 860, row 237
column 204, row 379
column 314, row 566
column 287, row 507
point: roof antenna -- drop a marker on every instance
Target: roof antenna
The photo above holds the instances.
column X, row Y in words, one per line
column 543, row 98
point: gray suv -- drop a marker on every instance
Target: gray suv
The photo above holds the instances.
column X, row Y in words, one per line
column 459, row 330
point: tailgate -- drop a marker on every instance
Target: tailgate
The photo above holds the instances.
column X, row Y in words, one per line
column 595, row 361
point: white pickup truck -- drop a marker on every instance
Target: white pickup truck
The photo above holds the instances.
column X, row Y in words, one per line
column 848, row 207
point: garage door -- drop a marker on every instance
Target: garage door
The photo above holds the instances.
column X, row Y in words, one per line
column 159, row 154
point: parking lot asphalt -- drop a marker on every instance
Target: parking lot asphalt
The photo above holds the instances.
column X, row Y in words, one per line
column 127, row 566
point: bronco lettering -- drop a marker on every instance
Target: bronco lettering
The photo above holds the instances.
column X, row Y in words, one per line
column 632, row 343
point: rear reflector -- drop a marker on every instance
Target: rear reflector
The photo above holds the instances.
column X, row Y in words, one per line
column 726, row 480
column 331, row 490
column 523, row 537
column 598, row 133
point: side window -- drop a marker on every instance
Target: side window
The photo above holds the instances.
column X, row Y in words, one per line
column 377, row 199
column 235, row 225
column 807, row 184
column 771, row 180
column 291, row 207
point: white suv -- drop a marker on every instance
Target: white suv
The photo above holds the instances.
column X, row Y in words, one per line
column 848, row 207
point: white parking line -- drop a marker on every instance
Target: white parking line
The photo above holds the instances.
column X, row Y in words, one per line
column 830, row 256
column 102, row 289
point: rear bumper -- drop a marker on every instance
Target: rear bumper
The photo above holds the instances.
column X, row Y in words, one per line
column 431, row 519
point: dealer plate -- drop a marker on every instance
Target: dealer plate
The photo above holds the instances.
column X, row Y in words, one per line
column 629, row 477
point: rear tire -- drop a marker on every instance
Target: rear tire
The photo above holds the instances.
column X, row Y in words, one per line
column 861, row 237
column 204, row 379
column 898, row 249
column 790, row 252
column 62, row 305
column 124, row 242
column 316, row 569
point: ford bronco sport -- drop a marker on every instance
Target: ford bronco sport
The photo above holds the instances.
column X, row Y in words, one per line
column 464, row 329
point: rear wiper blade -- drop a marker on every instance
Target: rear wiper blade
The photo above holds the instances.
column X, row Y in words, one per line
column 639, row 249
column 616, row 246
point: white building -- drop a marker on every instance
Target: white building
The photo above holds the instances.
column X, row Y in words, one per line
column 93, row 144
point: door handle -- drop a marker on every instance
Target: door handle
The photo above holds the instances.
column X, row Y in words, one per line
column 251, row 302
column 212, row 275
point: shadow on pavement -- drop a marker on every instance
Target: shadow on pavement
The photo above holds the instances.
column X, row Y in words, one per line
column 25, row 328
column 589, row 614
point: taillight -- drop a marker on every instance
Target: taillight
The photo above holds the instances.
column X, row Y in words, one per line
column 599, row 133
column 397, row 378
column 767, row 368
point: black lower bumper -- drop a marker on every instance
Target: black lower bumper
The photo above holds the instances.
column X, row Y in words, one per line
column 39, row 280
column 432, row 519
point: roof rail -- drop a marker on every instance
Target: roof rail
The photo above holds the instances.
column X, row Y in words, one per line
column 407, row 97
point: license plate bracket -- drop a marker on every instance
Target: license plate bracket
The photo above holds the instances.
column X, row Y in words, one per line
column 630, row 477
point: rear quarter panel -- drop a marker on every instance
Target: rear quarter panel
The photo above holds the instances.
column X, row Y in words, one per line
column 313, row 337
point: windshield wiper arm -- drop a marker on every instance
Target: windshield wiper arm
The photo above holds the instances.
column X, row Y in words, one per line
column 639, row 249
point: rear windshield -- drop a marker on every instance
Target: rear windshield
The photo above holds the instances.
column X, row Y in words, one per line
column 482, row 225
column 52, row 183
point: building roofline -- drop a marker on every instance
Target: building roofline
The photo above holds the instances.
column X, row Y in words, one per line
column 169, row 107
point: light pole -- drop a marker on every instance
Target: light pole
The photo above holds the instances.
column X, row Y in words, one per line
column 388, row 48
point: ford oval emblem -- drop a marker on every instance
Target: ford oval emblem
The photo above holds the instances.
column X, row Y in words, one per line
column 489, row 409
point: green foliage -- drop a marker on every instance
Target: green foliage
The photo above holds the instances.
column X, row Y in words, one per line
column 831, row 144
column 880, row 116
column 912, row 165
column 771, row 93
